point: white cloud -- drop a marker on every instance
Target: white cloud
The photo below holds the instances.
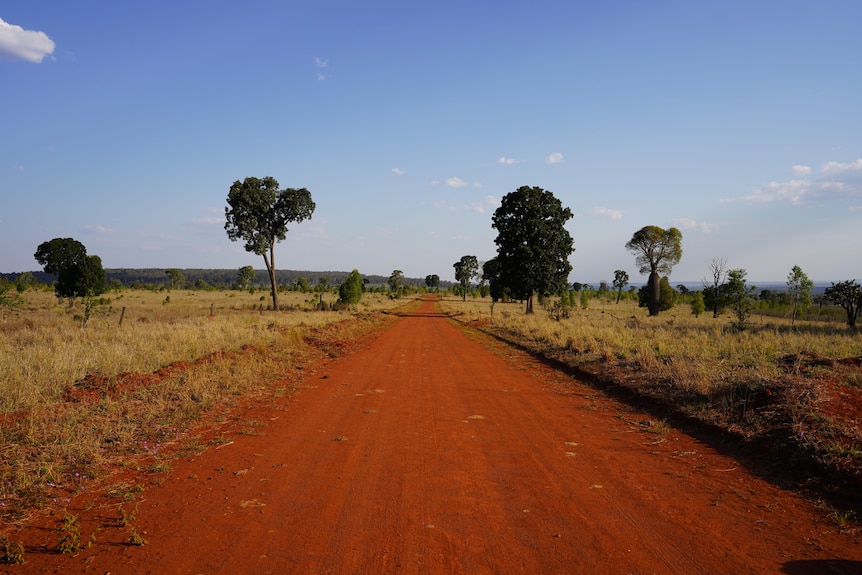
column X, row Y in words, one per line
column 694, row 225
column 208, row 220
column 839, row 180
column 834, row 168
column 606, row 213
column 398, row 171
column 793, row 191
column 16, row 43
column 456, row 182
column 97, row 229
column 506, row 161
column 855, row 208
column 555, row 158
column 321, row 64
column 488, row 203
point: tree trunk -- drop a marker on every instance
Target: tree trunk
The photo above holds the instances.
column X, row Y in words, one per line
column 270, row 268
column 529, row 309
column 654, row 292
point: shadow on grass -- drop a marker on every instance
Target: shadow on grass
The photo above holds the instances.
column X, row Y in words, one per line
column 773, row 457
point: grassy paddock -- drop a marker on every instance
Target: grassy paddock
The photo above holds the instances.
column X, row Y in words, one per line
column 43, row 346
column 76, row 402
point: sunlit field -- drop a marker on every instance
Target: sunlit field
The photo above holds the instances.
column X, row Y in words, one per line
column 701, row 355
column 78, row 401
column 43, row 346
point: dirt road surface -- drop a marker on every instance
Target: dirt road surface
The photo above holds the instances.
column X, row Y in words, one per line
column 433, row 449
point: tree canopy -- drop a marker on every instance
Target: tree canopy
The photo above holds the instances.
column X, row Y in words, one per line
column 621, row 280
column 396, row 281
column 799, row 287
column 848, row 295
column 491, row 272
column 533, row 245
column 350, row 292
column 258, row 214
column 64, row 258
column 656, row 252
column 466, row 269
column 78, row 275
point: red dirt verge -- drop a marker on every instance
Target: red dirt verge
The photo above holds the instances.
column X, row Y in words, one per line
column 424, row 451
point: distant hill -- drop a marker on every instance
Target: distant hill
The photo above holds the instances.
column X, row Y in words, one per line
column 225, row 278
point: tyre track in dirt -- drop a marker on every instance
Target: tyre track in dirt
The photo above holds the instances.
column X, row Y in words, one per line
column 424, row 452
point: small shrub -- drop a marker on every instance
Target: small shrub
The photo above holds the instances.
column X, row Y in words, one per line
column 11, row 552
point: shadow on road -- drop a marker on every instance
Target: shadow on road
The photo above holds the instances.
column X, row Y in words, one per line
column 824, row 566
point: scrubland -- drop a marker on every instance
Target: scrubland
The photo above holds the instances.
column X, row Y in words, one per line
column 78, row 402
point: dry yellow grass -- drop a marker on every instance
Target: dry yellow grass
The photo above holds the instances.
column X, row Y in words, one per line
column 43, row 347
column 698, row 355
column 54, row 443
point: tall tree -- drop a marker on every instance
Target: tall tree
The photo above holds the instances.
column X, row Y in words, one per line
column 432, row 281
column 799, row 289
column 656, row 252
column 258, row 214
column 465, row 270
column 621, row 280
column 848, row 295
column 533, row 245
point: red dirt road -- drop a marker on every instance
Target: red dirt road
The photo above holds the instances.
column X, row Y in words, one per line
column 424, row 452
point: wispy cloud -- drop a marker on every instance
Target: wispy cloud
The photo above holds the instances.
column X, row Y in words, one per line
column 835, row 180
column 99, row 229
column 506, row 161
column 488, row 203
column 321, row 64
column 793, row 191
column 555, row 158
column 455, row 182
column 694, row 225
column 398, row 171
column 208, row 220
column 837, row 168
column 606, row 213
column 16, row 43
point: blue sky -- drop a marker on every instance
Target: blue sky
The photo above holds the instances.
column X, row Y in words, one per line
column 738, row 122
